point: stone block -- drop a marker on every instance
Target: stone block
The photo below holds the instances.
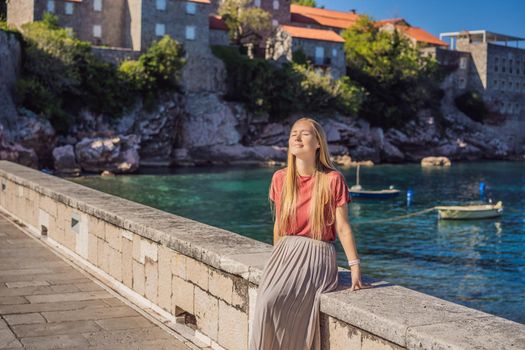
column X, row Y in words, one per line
column 221, row 285
column 152, row 279
column 164, row 264
column 182, row 295
column 138, row 277
column 207, row 313
column 97, row 227
column 178, row 265
column 197, row 273
column 338, row 335
column 92, row 249
column 233, row 327
column 114, row 237
column 115, row 264
column 127, row 263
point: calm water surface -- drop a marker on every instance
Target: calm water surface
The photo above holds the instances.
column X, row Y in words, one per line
column 480, row 264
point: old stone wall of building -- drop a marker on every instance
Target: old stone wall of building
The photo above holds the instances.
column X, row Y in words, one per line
column 178, row 23
column 334, row 57
column 20, row 12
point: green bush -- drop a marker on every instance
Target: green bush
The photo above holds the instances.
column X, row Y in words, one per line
column 399, row 81
column 471, row 103
column 281, row 90
column 61, row 75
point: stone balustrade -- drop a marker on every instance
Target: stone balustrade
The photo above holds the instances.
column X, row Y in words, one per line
column 207, row 277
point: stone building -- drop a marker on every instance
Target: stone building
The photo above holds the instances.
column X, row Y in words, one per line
column 132, row 24
column 324, row 48
column 419, row 37
column 496, row 70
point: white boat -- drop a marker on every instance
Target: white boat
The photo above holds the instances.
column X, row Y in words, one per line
column 356, row 191
column 466, row 212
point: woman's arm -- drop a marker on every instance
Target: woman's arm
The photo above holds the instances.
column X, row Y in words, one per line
column 345, row 232
column 275, row 232
column 347, row 241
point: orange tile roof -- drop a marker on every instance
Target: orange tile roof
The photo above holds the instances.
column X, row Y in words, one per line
column 313, row 34
column 416, row 33
column 216, row 22
column 421, row 35
column 201, row 1
column 329, row 18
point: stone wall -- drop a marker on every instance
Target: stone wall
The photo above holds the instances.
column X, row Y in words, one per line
column 20, row 12
column 115, row 55
column 210, row 275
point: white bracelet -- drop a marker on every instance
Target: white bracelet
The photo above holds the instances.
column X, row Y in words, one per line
column 354, row 262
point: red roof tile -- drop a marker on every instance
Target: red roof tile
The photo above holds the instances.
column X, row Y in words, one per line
column 422, row 35
column 216, row 22
column 328, row 18
column 201, row 1
column 312, row 34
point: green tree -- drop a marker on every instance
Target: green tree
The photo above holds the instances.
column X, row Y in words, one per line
column 310, row 3
column 246, row 24
column 399, row 80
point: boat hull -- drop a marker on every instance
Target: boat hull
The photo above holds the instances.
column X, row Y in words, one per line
column 470, row 212
column 383, row 194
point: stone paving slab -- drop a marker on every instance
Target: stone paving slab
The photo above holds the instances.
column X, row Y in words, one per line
column 45, row 303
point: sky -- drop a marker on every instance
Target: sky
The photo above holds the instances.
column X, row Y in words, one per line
column 439, row 16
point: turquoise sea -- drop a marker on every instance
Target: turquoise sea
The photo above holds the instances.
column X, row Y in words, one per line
column 480, row 264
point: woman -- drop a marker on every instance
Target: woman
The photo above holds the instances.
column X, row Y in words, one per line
column 310, row 198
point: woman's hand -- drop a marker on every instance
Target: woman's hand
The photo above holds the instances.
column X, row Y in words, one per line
column 356, row 279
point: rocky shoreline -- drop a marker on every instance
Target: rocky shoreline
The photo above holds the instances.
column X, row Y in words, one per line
column 200, row 128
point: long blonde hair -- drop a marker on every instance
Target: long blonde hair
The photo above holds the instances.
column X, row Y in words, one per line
column 321, row 192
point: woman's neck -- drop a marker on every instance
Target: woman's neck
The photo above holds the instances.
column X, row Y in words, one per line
column 305, row 167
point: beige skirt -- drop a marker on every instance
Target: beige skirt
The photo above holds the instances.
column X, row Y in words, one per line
column 287, row 307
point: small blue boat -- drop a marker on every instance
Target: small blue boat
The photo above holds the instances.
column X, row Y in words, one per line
column 357, row 191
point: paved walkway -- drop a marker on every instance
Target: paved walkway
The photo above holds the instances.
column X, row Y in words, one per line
column 45, row 303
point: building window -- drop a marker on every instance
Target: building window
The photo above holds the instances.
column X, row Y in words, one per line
column 496, row 62
column 160, row 29
column 503, row 65
column 160, row 5
column 463, row 63
column 495, row 84
column 50, row 6
column 97, row 31
column 257, row 3
column 510, row 66
column 191, row 8
column 275, row 23
column 319, row 55
column 68, row 9
column 518, row 66
column 190, row 32
column 97, row 5
column 275, row 4
column 334, row 52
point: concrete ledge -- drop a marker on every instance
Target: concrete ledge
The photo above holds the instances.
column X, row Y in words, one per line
column 211, row 274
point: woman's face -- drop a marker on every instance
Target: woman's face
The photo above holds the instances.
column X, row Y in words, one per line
column 302, row 142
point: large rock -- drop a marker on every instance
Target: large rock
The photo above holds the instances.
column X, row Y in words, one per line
column 17, row 153
column 36, row 133
column 117, row 154
column 209, row 121
column 65, row 162
column 10, row 63
column 157, row 129
column 435, row 161
column 233, row 154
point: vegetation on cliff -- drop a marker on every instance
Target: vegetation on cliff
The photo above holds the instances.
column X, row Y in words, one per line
column 60, row 75
column 398, row 79
column 284, row 89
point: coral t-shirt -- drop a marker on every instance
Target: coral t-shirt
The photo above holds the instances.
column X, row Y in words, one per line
column 338, row 189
